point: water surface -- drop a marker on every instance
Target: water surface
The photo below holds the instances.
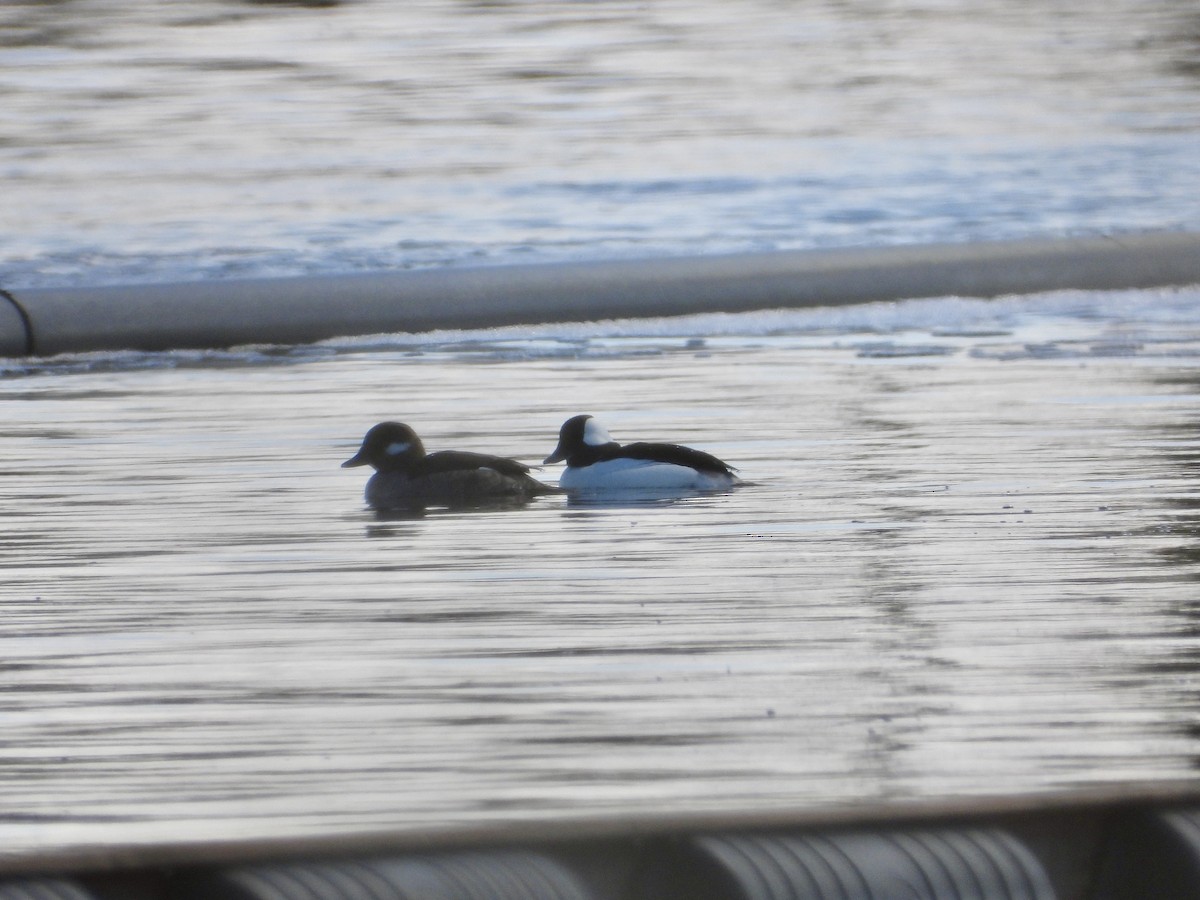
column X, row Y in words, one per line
column 965, row 563
column 216, row 138
column 965, row 558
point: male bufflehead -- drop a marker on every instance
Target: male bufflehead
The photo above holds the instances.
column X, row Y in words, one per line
column 595, row 462
column 405, row 476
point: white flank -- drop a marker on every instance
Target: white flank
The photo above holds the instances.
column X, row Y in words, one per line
column 594, row 434
column 639, row 475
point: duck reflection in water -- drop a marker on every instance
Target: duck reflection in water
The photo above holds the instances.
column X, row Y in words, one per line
column 409, row 480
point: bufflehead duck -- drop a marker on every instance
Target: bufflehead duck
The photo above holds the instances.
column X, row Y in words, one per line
column 595, row 462
column 406, row 476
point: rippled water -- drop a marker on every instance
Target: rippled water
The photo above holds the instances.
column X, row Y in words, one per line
column 212, row 138
column 966, row 562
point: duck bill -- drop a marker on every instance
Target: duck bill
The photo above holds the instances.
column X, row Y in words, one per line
column 557, row 456
column 355, row 460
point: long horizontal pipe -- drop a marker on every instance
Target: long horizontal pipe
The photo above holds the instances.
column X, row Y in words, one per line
column 46, row 321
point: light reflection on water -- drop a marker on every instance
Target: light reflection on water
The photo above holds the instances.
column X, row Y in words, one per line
column 956, row 573
column 197, row 140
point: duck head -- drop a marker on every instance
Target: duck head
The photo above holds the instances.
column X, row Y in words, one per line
column 388, row 446
column 578, row 433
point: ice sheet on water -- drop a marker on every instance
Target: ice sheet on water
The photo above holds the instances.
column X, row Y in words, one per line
column 1064, row 313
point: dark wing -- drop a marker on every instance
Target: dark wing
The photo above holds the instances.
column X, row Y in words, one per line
column 464, row 461
column 673, row 453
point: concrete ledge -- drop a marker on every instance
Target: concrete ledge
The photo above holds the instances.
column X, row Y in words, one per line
column 300, row 310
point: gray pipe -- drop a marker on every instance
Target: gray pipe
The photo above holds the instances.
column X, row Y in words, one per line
column 45, row 321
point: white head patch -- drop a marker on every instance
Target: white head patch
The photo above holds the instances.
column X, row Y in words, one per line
column 594, row 434
column 397, row 448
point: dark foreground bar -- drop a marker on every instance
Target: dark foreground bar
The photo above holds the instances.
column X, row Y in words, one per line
column 1124, row 844
column 301, row 310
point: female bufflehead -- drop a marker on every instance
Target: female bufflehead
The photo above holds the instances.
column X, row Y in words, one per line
column 595, row 462
column 405, row 476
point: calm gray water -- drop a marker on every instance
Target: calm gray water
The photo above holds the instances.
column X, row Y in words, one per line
column 966, row 558
column 212, row 138
column 966, row 562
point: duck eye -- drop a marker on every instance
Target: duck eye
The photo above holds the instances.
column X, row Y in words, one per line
column 396, row 449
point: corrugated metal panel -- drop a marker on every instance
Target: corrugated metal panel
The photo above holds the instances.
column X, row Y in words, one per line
column 968, row 864
column 517, row 875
